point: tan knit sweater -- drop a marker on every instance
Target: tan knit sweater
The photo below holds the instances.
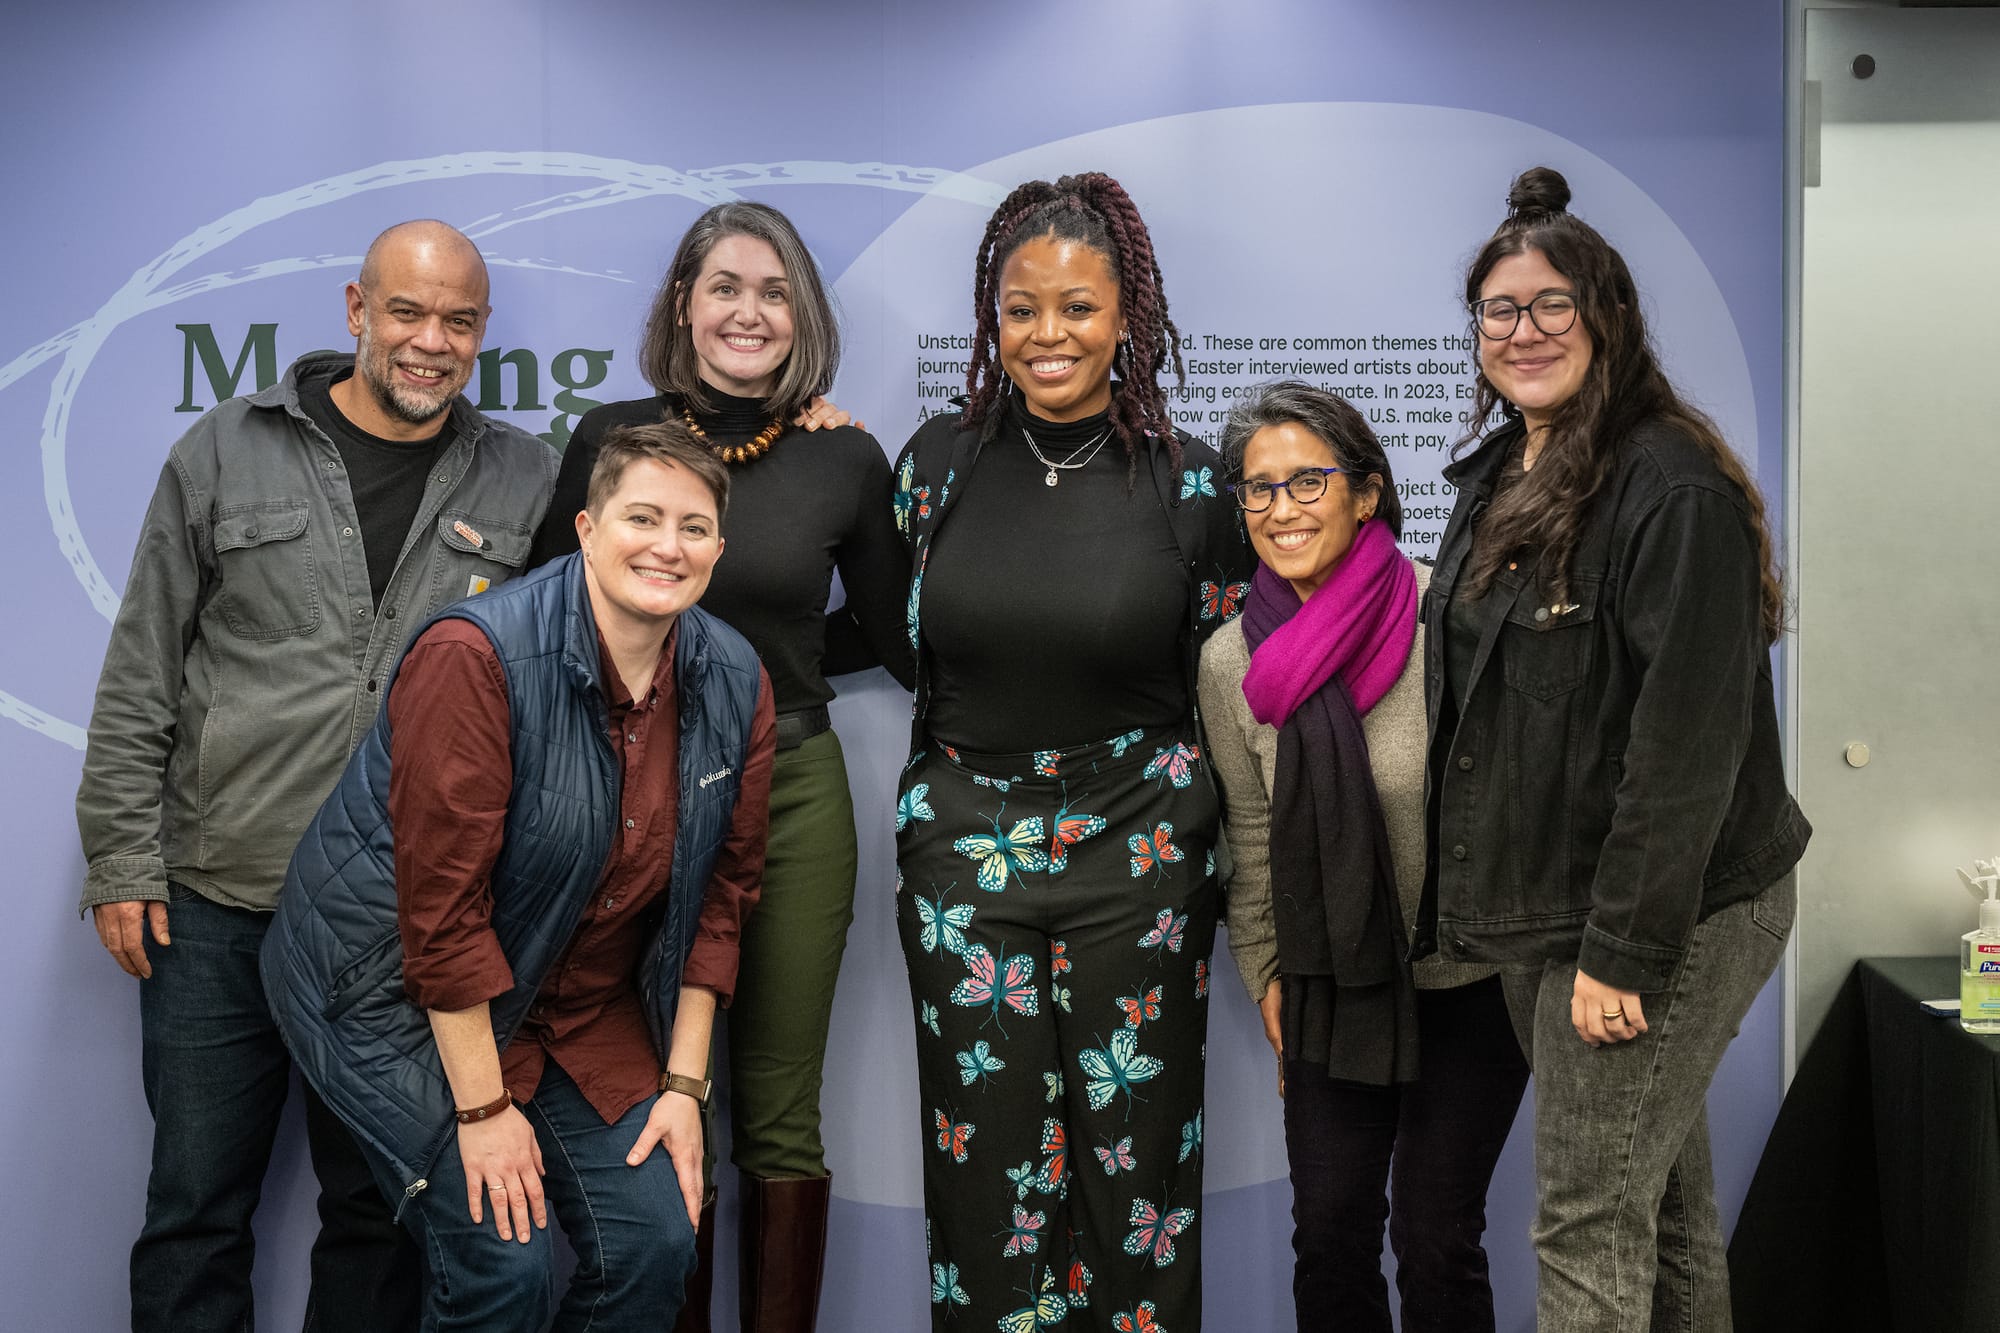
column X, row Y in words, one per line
column 1245, row 754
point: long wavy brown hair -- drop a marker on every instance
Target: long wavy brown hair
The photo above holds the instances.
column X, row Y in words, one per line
column 1545, row 510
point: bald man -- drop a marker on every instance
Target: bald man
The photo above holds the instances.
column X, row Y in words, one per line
column 297, row 537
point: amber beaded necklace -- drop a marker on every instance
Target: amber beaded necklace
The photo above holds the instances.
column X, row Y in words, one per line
column 748, row 452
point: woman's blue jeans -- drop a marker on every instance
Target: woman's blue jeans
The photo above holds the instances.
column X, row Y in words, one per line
column 628, row 1225
column 1626, row 1231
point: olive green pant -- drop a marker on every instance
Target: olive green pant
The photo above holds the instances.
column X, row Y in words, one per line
column 778, row 1020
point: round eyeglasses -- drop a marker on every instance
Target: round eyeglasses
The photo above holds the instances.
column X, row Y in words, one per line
column 1554, row 313
column 1304, row 486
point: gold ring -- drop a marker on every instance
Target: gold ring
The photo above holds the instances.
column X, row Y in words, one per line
column 1610, row 1014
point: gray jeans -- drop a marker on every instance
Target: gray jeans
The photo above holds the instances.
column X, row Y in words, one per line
column 1626, row 1231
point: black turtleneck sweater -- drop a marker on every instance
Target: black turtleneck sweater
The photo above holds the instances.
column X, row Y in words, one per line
column 1053, row 614
column 816, row 503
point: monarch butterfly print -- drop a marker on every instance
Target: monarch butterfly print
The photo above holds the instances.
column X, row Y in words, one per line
column 1141, row 1008
column 916, row 597
column 1010, row 981
column 1054, row 1080
column 928, row 1016
column 1201, row 979
column 1078, row 1293
column 1166, row 933
column 1222, row 601
column 944, row 1286
column 998, row 784
column 1120, row 744
column 1053, row 1175
column 913, row 807
column 1058, row 958
column 1154, row 851
column 906, row 472
column 1042, row 1311
column 1022, row 1178
column 1139, row 1320
column 1191, row 1137
column 1060, row 994
column 1048, row 763
column 1175, row 764
column 1198, row 482
column 978, row 1064
column 1114, row 1067
column 1117, row 1157
column 1002, row 856
column 952, row 1135
column 910, row 503
column 1066, row 832
column 1024, row 1233
column 1153, row 1232
column 943, row 926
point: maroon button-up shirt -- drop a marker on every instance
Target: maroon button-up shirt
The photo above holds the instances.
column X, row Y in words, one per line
column 450, row 780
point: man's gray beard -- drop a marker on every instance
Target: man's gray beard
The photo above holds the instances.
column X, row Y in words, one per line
column 389, row 396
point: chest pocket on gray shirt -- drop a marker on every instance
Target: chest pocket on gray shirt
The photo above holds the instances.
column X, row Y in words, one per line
column 475, row 554
column 269, row 586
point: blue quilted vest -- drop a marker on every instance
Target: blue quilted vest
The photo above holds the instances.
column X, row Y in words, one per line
column 333, row 960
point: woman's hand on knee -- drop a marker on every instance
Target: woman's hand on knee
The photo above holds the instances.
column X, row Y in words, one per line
column 503, row 1162
column 1269, row 1008
column 675, row 1125
column 1604, row 1015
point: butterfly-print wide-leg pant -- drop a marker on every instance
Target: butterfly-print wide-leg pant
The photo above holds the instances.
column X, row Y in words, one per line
column 1057, row 911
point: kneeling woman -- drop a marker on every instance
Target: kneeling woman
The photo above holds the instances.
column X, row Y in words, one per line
column 1315, row 706
column 502, row 941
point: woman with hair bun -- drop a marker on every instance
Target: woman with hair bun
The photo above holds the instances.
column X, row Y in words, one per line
column 1057, row 827
column 740, row 341
column 1400, row 1083
column 1608, row 811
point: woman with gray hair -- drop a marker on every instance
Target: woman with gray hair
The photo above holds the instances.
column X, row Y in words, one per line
column 1400, row 1084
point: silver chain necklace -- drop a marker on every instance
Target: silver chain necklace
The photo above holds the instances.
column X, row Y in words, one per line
column 1083, row 454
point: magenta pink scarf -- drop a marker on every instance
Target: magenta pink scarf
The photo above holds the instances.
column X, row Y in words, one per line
column 1360, row 624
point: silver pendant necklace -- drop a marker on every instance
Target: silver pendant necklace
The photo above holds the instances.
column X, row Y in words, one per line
column 1082, row 455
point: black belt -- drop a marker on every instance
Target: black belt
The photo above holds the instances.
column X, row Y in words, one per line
column 801, row 725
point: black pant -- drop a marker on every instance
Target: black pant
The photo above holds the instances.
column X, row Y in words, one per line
column 1419, row 1155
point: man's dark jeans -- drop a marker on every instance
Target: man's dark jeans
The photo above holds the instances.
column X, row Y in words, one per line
column 215, row 1075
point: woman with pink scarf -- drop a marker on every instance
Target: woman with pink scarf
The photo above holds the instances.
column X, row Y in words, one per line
column 1400, row 1082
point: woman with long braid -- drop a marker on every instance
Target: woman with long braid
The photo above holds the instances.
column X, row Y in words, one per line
column 1057, row 826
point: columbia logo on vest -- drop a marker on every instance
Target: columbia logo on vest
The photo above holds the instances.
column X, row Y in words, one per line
column 715, row 776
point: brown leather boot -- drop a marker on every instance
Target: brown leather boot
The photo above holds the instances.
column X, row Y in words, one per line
column 783, row 1252
column 694, row 1307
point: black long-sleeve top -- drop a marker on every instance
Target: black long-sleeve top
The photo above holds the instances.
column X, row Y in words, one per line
column 817, row 503
column 1053, row 613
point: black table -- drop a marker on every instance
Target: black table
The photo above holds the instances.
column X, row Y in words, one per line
column 1876, row 1204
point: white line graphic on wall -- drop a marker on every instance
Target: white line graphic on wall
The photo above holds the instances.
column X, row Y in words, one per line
column 158, row 284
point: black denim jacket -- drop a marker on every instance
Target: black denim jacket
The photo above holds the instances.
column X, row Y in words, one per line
column 1615, row 775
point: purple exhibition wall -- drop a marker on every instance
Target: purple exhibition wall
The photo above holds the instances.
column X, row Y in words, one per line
column 185, row 175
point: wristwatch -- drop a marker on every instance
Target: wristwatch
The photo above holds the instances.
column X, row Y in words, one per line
column 697, row 1088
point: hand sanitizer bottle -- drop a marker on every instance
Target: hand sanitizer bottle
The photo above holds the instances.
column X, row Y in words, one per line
column 1979, row 967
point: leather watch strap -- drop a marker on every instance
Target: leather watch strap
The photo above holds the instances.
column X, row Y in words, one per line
column 697, row 1088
